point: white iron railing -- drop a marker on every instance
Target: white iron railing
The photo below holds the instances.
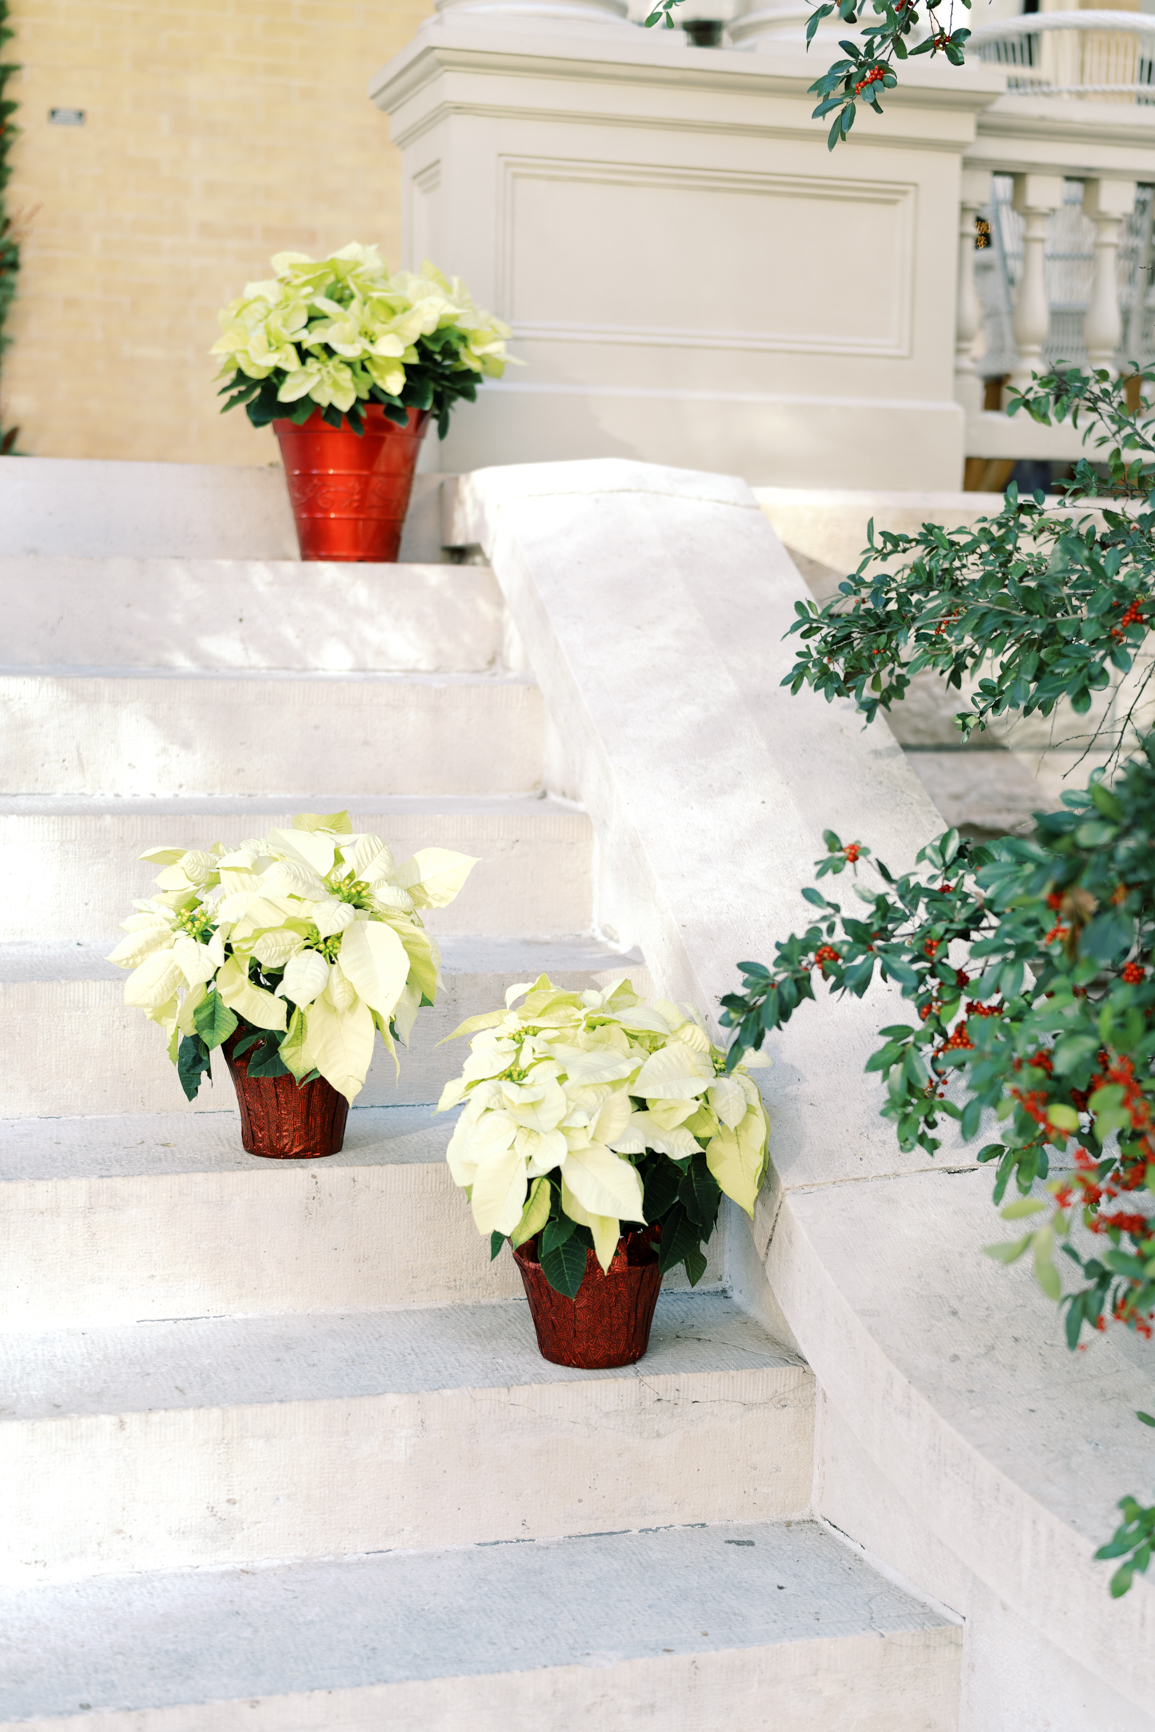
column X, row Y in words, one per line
column 1097, row 56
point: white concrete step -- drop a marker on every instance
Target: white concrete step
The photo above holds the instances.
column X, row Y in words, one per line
column 999, row 791
column 217, row 614
column 118, row 732
column 81, row 507
column 204, row 1442
column 752, row 1627
column 70, row 1045
column 113, row 1220
column 70, row 868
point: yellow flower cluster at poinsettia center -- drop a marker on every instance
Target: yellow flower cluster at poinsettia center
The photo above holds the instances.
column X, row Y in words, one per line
column 335, row 328
column 313, row 933
column 577, row 1083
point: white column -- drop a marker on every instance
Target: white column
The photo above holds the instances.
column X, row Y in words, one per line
column 1036, row 196
column 536, row 11
column 756, row 24
column 1107, row 203
column 974, row 193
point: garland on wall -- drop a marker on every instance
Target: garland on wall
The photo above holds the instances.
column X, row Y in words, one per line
column 9, row 247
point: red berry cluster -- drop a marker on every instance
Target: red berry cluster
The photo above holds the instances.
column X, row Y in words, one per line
column 1134, row 973
column 824, row 954
column 872, row 77
column 852, row 852
column 1133, row 616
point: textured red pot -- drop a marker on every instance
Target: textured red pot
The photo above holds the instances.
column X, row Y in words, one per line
column 281, row 1119
column 608, row 1322
column 350, row 491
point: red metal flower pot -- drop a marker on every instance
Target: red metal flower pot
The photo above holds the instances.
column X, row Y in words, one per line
column 350, row 491
column 281, row 1119
column 608, row 1322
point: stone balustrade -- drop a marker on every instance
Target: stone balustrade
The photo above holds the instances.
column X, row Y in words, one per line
column 1073, row 170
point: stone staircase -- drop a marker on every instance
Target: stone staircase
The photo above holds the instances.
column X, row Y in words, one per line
column 278, row 1448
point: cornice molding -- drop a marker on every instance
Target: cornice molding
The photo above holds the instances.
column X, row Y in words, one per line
column 573, row 57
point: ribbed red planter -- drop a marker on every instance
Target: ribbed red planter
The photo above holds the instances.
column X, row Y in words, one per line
column 608, row 1323
column 282, row 1120
column 350, row 491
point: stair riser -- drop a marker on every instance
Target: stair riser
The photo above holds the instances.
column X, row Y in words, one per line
column 280, row 1238
column 76, row 877
column 105, row 736
column 898, row 1681
column 75, row 1048
column 229, row 613
column 99, row 1495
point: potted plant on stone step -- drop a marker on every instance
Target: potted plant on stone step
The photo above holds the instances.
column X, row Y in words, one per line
column 598, row 1135
column 292, row 954
column 350, row 364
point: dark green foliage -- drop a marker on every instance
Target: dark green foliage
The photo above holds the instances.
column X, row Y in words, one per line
column 680, row 1197
column 435, row 381
column 215, row 1022
column 192, row 1064
column 1045, row 1012
column 1052, row 605
column 265, row 1059
column 564, row 1265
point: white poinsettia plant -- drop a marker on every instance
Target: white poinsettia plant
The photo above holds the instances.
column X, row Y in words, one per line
column 336, row 334
column 308, row 942
column 587, row 1114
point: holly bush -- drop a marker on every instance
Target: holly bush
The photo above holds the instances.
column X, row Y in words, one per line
column 1029, row 962
column 1046, row 604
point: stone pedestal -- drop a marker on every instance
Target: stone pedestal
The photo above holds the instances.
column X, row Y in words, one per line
column 692, row 278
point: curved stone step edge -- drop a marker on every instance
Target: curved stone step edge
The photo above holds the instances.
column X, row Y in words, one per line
column 932, row 1353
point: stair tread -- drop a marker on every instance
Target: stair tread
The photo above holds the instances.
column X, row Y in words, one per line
column 76, row 673
column 155, row 1640
column 461, row 953
column 178, row 1364
column 158, row 1145
column 270, row 807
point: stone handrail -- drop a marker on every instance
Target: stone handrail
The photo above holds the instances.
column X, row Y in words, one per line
column 961, row 1443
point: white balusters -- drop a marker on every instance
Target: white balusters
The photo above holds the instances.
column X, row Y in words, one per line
column 1107, row 203
column 1036, row 196
column 974, row 193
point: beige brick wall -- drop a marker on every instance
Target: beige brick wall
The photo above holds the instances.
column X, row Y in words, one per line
column 217, row 132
